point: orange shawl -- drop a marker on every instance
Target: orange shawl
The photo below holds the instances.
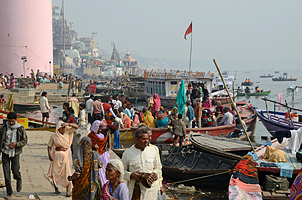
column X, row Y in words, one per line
column 100, row 142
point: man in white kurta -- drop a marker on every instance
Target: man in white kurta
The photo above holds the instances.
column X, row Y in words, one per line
column 142, row 158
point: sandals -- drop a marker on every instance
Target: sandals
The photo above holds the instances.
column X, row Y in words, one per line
column 57, row 191
column 68, row 194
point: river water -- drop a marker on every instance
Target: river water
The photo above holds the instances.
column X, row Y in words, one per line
column 263, row 83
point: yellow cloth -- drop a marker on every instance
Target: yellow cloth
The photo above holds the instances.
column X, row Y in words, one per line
column 149, row 119
column 10, row 105
column 274, row 155
column 75, row 106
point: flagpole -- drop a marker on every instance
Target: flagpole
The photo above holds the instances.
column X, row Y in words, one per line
column 190, row 55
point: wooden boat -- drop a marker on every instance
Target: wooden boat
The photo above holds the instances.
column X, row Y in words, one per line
column 163, row 135
column 166, row 84
column 189, row 163
column 227, row 147
column 265, row 93
column 247, row 83
column 284, row 78
column 275, row 121
column 267, row 76
column 34, row 124
column 26, row 106
column 291, row 160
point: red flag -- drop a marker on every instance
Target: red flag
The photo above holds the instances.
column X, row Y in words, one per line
column 188, row 31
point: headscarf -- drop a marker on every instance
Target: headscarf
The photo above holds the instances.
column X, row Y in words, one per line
column 87, row 163
column 117, row 166
column 126, row 121
column 157, row 103
column 98, row 138
column 58, row 137
column 136, row 121
column 95, row 127
column 149, row 119
column 206, row 104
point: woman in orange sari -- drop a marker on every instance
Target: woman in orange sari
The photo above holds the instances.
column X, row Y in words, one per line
column 99, row 136
column 126, row 121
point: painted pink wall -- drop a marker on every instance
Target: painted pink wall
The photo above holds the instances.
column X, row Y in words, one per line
column 25, row 23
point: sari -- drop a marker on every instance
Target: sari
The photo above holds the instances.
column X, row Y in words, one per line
column 296, row 188
column 126, row 121
column 74, row 103
column 162, row 120
column 86, row 163
column 101, row 140
column 61, row 166
column 157, row 103
column 149, row 119
column 136, row 121
column 107, row 192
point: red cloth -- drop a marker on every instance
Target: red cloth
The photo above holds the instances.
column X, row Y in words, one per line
column 157, row 102
column 188, row 31
column 93, row 88
column 106, row 106
column 100, row 142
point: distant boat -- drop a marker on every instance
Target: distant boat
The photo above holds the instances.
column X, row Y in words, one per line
column 247, row 83
column 265, row 93
column 284, row 78
column 276, row 72
column 266, row 76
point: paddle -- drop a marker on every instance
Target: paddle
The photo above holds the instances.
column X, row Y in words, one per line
column 233, row 104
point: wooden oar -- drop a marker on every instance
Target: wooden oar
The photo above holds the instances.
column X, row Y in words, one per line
column 233, row 104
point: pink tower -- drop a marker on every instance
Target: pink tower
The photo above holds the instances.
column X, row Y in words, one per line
column 26, row 36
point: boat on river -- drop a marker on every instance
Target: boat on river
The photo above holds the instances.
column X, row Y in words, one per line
column 264, row 93
column 164, row 135
column 266, row 76
column 206, row 170
column 26, row 106
column 284, row 78
column 33, row 124
column 166, row 84
column 275, row 121
column 247, row 83
column 227, row 147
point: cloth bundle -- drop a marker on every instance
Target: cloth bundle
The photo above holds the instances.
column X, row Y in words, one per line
column 274, row 155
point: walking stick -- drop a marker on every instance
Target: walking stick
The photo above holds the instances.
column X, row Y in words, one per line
column 233, row 104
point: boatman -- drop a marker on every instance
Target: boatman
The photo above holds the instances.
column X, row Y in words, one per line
column 45, row 109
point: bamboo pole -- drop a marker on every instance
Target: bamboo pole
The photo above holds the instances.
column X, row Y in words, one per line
column 233, row 104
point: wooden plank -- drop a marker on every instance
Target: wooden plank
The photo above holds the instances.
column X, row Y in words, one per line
column 222, row 145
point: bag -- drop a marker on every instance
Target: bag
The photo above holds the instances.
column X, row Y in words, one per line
column 273, row 183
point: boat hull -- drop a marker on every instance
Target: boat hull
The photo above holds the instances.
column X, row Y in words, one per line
column 276, row 123
column 283, row 79
column 254, row 94
column 206, row 169
column 26, row 106
column 246, row 83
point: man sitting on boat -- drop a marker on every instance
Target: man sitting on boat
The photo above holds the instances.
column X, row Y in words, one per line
column 247, row 90
column 238, row 129
column 227, row 117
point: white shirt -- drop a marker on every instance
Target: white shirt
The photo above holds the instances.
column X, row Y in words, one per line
column 81, row 118
column 227, row 119
column 118, row 104
column 119, row 123
column 144, row 161
column 44, row 106
column 89, row 107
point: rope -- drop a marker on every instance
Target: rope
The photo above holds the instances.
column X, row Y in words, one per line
column 201, row 177
column 124, row 133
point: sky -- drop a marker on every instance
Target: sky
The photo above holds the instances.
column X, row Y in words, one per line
column 240, row 34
